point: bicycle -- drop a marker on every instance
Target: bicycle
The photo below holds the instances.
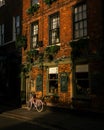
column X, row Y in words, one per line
column 38, row 104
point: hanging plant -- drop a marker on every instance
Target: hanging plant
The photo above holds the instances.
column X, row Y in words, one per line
column 31, row 55
column 21, row 41
column 26, row 68
column 33, row 8
column 49, row 2
column 50, row 51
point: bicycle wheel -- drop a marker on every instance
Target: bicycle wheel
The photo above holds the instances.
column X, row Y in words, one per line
column 39, row 105
column 29, row 105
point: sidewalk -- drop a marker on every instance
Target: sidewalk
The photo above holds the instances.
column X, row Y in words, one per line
column 69, row 108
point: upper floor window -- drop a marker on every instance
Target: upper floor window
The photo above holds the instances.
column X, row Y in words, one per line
column 1, row 34
column 80, row 21
column 54, row 31
column 16, row 26
column 34, row 35
column 34, row 2
column 2, row 2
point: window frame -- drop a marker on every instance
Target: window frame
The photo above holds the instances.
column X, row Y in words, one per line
column 81, row 23
column 36, row 23
column 54, row 32
column 81, row 76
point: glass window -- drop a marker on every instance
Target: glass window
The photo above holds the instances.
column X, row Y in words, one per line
column 53, row 83
column 34, row 2
column 82, row 80
column 34, row 35
column 54, row 29
column 53, row 80
column 2, row 2
column 17, row 25
column 1, row 34
column 80, row 21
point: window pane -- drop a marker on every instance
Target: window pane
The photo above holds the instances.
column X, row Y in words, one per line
column 81, row 33
column 34, row 1
column 84, row 15
column 76, row 26
column 76, row 34
column 34, row 41
column 82, row 83
column 85, row 24
column 85, row 32
column 2, row 2
column 75, row 10
column 17, row 21
column 84, row 7
column 76, row 17
column 80, row 9
column 81, row 25
column 80, row 16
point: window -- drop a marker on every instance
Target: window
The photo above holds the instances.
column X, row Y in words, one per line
column 1, row 34
column 53, row 80
column 17, row 24
column 80, row 21
column 34, row 35
column 54, row 29
column 82, row 80
column 2, row 2
column 34, row 2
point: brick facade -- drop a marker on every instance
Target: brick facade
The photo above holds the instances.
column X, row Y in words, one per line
column 62, row 59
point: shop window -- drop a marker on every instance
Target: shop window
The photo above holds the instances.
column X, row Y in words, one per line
column 82, row 80
column 53, row 83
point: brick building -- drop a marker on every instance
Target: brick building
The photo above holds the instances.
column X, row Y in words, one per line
column 63, row 59
column 10, row 56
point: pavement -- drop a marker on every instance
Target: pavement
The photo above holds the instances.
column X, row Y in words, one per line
column 69, row 108
column 58, row 107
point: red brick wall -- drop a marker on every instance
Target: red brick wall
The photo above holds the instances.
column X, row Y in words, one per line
column 66, row 31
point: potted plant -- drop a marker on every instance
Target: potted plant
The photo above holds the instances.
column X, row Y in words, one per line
column 50, row 51
column 33, row 8
column 31, row 55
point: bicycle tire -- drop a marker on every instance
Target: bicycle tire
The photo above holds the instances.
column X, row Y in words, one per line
column 39, row 105
column 29, row 105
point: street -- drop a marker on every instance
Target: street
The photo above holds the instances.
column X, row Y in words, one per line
column 51, row 119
